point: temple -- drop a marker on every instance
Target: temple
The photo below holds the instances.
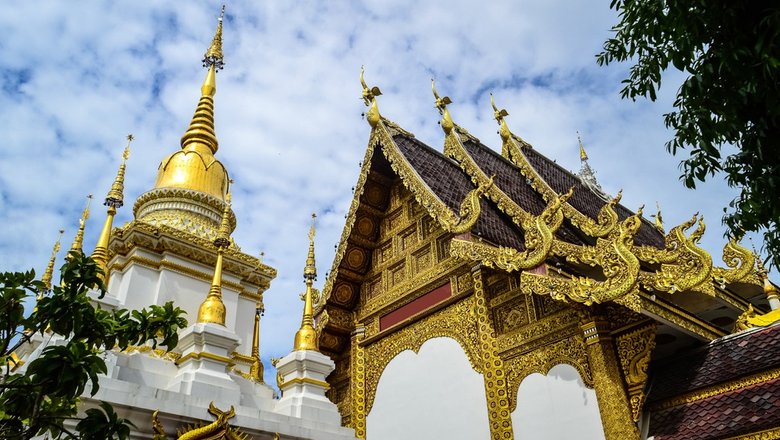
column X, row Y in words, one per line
column 474, row 295
column 484, row 295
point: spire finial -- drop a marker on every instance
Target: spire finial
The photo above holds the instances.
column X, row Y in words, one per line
column 441, row 104
column 256, row 369
column 583, row 154
column 78, row 241
column 369, row 98
column 223, row 235
column 587, row 175
column 212, row 309
column 306, row 337
column 214, row 56
column 201, row 132
column 49, row 272
column 310, row 271
column 114, row 199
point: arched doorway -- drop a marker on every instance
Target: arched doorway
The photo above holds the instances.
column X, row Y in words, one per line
column 430, row 394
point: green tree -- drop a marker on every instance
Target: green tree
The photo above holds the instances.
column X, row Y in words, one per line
column 44, row 397
column 730, row 52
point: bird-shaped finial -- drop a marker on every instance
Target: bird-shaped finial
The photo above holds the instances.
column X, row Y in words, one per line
column 441, row 104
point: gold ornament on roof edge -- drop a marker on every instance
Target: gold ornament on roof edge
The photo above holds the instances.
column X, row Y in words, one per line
column 218, row 429
column 369, row 98
column 441, row 104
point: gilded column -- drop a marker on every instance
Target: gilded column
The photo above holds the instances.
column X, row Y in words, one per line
column 616, row 416
column 492, row 365
column 357, row 385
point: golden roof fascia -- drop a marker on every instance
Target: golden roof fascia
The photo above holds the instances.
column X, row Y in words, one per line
column 454, row 149
column 382, row 137
column 657, row 307
column 714, row 390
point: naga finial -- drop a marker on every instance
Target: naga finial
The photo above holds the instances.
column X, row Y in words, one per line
column 441, row 104
column 499, row 116
column 369, row 99
column 659, row 221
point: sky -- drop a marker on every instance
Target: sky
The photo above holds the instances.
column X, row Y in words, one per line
column 77, row 77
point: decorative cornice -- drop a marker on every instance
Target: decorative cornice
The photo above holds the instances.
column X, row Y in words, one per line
column 715, row 390
column 305, row 380
column 206, row 355
column 688, row 322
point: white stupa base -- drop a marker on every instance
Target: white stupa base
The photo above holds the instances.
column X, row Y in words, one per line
column 205, row 357
column 303, row 387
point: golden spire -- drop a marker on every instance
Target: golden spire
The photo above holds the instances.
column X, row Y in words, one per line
column 49, row 272
column 369, row 98
column 583, row 154
column 256, row 370
column 213, row 309
column 214, row 56
column 114, row 199
column 78, row 241
column 306, row 337
column 441, row 104
column 499, row 116
column 201, row 132
column 194, row 167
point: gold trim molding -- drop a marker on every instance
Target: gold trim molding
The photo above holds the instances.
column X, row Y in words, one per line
column 714, row 390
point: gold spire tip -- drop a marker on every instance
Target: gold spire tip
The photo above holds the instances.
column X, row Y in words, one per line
column 115, row 197
column 583, row 154
column 223, row 236
column 214, row 56
column 310, row 271
column 49, row 272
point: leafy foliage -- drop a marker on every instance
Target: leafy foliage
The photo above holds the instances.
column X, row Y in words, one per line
column 42, row 397
column 731, row 96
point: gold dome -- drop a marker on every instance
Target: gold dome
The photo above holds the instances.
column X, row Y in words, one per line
column 194, row 166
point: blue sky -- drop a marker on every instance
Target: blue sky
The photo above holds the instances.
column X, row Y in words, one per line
column 78, row 77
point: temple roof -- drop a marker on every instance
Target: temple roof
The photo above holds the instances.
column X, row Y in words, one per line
column 727, row 388
column 584, row 199
column 451, row 185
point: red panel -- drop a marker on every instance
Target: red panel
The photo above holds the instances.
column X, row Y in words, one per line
column 420, row 304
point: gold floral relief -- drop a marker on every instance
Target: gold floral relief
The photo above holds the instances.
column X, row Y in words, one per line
column 634, row 349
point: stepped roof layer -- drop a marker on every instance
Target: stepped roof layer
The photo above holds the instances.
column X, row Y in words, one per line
column 727, row 388
column 515, row 185
column 584, row 199
column 451, row 185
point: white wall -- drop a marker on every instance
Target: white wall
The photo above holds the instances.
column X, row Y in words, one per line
column 431, row 395
column 556, row 406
